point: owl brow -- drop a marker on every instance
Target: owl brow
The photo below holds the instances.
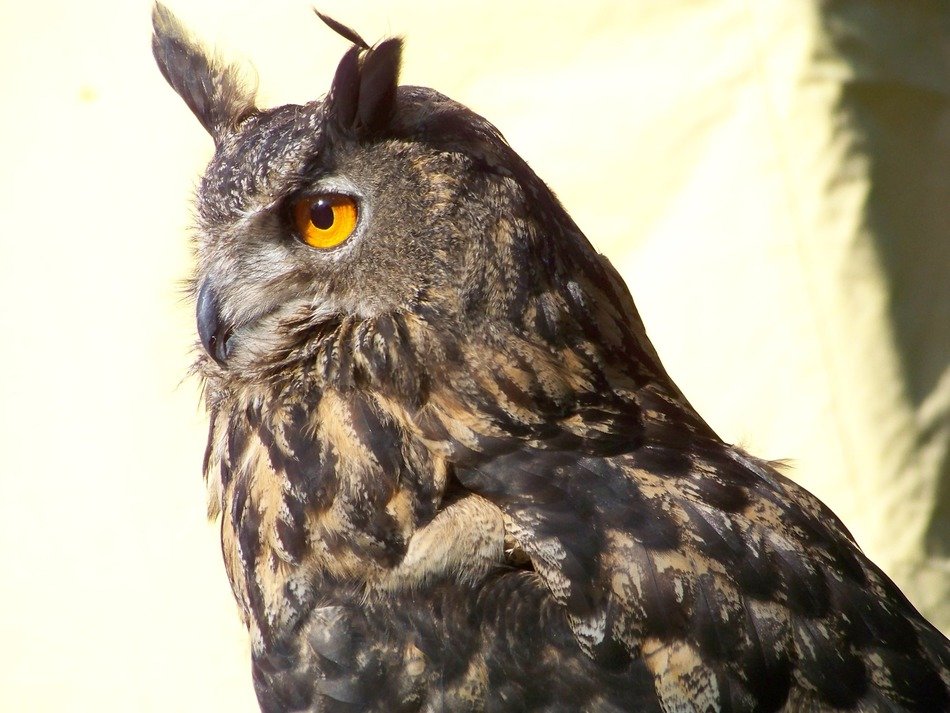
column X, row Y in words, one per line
column 302, row 182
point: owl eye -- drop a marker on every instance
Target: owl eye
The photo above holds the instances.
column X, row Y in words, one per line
column 326, row 220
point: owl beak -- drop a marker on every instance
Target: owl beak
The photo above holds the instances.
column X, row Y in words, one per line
column 214, row 333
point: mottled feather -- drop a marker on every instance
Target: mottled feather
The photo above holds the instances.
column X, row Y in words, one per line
column 451, row 471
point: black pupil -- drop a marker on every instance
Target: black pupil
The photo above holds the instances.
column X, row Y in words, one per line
column 321, row 214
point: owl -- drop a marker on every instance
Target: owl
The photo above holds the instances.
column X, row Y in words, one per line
column 450, row 469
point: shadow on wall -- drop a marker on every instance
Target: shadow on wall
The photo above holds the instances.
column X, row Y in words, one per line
column 896, row 103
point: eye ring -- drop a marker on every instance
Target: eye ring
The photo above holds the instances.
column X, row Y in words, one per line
column 326, row 220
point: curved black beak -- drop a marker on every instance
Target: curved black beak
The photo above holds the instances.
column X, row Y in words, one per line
column 213, row 333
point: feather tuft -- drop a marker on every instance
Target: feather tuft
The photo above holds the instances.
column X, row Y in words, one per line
column 342, row 30
column 214, row 91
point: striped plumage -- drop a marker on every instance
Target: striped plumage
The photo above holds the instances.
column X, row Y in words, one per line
column 451, row 471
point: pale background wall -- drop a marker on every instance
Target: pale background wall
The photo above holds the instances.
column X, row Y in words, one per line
column 772, row 182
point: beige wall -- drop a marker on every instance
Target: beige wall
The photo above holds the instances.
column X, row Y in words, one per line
column 779, row 216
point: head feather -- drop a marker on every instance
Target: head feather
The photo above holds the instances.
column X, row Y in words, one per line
column 214, row 91
column 342, row 30
column 362, row 98
column 378, row 81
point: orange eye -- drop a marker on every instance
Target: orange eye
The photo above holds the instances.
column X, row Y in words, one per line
column 325, row 221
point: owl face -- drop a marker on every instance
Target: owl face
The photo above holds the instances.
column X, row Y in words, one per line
column 376, row 199
column 297, row 229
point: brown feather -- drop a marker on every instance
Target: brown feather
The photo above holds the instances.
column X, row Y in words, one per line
column 451, row 470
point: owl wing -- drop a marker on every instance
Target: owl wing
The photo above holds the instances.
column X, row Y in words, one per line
column 738, row 589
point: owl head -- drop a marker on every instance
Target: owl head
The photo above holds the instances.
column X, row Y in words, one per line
column 394, row 214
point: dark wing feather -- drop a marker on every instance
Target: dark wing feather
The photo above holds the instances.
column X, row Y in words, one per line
column 690, row 605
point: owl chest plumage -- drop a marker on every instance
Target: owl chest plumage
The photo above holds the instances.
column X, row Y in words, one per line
column 368, row 577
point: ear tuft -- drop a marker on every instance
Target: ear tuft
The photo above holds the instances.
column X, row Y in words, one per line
column 378, row 82
column 342, row 30
column 214, row 91
column 362, row 98
column 343, row 100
